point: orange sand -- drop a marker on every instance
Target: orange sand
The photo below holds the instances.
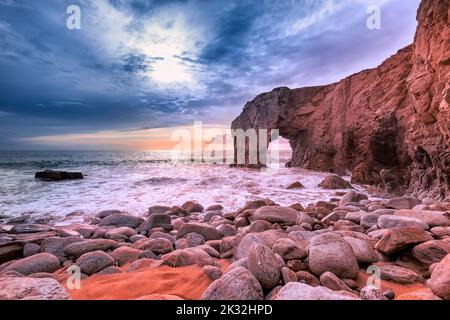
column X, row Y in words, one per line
column 189, row 283
column 401, row 290
column 186, row 282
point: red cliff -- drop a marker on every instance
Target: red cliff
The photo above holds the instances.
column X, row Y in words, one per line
column 390, row 126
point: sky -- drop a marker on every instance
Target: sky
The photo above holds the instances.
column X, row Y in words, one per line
column 138, row 69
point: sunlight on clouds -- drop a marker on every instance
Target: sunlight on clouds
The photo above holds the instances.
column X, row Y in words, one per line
column 165, row 36
column 169, row 71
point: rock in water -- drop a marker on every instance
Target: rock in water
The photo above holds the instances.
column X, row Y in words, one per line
column 335, row 182
column 22, row 288
column 330, row 252
column 50, row 175
column 237, row 284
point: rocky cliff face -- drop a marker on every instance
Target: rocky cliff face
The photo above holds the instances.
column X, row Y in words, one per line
column 389, row 126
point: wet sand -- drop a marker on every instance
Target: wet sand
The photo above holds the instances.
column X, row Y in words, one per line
column 188, row 283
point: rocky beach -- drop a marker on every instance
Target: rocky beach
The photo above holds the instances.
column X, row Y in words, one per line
column 332, row 250
column 380, row 230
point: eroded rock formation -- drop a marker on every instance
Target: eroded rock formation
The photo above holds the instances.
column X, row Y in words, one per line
column 390, row 125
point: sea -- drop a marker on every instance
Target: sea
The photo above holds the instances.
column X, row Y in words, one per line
column 133, row 181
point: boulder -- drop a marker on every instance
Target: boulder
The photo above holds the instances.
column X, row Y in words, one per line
column 212, row 272
column 297, row 265
column 287, row 275
column 30, row 228
column 267, row 238
column 42, row 262
column 394, row 241
column 331, row 281
column 94, row 262
column 237, row 284
column 22, row 288
column 121, row 220
column 50, row 175
column 330, row 252
column 192, row 207
column 109, row 271
column 272, row 214
column 215, row 207
column 210, row 214
column 441, row 231
column 123, row 231
column 30, row 249
column 372, row 294
column 158, row 209
column 156, row 235
column 105, row 213
column 194, row 239
column 158, row 245
column 369, row 220
column 290, row 250
column 125, row 255
column 301, row 291
column 402, row 203
column 296, row 185
column 206, row 230
column 307, row 278
column 440, row 279
column 355, row 216
column 432, row 218
column 259, row 226
column 398, row 274
column 79, row 248
column 255, row 204
column 227, row 230
column 187, row 257
column 363, row 250
column 431, row 251
column 389, row 222
column 352, row 197
column 56, row 246
column 335, row 182
column 264, row 265
column 156, row 220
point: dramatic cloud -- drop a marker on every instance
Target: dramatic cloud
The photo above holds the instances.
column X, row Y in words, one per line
column 143, row 64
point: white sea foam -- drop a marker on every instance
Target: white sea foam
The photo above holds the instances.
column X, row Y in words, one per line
column 134, row 182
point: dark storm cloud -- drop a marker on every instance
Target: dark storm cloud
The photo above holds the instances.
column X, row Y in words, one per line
column 120, row 71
